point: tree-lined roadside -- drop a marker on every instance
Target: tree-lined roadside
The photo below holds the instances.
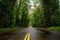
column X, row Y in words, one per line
column 25, row 13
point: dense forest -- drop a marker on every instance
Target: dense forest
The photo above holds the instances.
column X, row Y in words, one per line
column 25, row 13
column 47, row 14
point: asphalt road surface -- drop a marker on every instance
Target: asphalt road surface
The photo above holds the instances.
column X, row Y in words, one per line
column 34, row 33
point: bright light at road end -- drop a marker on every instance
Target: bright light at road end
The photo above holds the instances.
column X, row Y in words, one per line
column 31, row 3
column 30, row 27
column 31, row 6
column 18, row 1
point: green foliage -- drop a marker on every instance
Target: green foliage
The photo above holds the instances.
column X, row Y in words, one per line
column 15, row 13
column 38, row 17
column 50, row 8
column 6, row 15
column 54, row 28
column 8, row 29
column 21, row 14
column 47, row 14
column 55, row 20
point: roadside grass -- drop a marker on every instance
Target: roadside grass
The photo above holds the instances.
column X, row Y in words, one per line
column 8, row 29
column 54, row 28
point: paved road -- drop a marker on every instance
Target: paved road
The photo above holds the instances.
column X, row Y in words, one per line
column 35, row 34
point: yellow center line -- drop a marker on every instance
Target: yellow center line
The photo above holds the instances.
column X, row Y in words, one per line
column 27, row 37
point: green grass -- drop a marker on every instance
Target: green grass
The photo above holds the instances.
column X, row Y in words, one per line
column 54, row 28
column 8, row 29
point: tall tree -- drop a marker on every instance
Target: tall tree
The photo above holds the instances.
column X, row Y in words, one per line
column 6, row 15
column 21, row 13
column 37, row 14
column 50, row 8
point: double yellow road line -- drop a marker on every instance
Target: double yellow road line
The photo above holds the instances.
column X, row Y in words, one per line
column 27, row 37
